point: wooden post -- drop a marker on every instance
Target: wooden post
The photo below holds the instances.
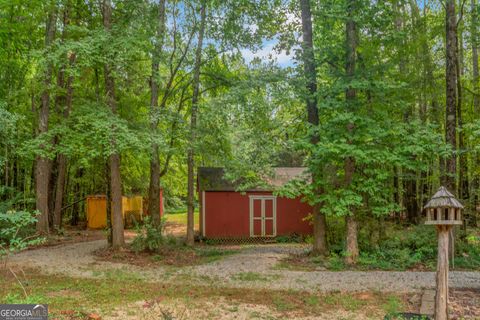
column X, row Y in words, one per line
column 441, row 298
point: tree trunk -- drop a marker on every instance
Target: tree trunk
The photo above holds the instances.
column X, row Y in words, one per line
column 42, row 164
column 451, row 94
column 62, row 159
column 410, row 176
column 115, row 178
column 193, row 129
column 63, row 102
column 474, row 37
column 476, row 98
column 310, row 72
column 463, row 168
column 60, row 188
column 350, row 97
column 154, row 188
column 76, row 197
column 108, row 199
column 410, row 198
column 352, row 241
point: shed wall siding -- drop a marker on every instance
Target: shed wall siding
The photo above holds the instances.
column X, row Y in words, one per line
column 226, row 214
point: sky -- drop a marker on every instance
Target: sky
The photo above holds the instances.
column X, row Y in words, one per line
column 267, row 52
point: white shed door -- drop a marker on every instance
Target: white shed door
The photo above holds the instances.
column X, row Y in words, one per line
column 263, row 216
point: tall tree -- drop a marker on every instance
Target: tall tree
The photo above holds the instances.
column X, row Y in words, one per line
column 310, row 73
column 42, row 163
column 463, row 182
column 451, row 93
column 154, row 189
column 63, row 103
column 350, row 97
column 193, row 128
column 114, row 160
column 62, row 159
column 410, row 199
column 474, row 40
column 475, row 78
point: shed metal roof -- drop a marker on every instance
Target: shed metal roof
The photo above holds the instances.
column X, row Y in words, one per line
column 212, row 179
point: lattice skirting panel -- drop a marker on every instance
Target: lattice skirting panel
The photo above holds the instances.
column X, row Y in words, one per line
column 258, row 240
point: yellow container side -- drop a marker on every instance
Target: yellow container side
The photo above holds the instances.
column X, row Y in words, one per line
column 96, row 212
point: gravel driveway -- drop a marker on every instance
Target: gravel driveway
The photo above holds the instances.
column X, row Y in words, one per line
column 262, row 260
column 256, row 262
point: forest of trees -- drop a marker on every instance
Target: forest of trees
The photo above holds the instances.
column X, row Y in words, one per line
column 379, row 99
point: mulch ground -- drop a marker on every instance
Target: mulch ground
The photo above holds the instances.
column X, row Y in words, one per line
column 464, row 304
column 78, row 234
column 167, row 255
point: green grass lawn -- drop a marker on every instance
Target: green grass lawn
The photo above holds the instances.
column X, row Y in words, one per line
column 180, row 218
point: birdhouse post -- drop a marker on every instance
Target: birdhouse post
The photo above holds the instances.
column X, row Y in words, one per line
column 443, row 211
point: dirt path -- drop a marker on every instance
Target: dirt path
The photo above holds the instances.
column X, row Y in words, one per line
column 253, row 267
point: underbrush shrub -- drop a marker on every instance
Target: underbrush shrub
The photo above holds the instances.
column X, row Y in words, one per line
column 335, row 262
column 335, row 234
column 292, row 238
column 149, row 236
column 401, row 249
column 17, row 231
column 468, row 253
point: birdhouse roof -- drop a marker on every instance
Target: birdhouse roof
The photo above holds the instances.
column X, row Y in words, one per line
column 443, row 199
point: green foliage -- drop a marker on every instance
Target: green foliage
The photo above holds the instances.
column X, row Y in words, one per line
column 15, row 298
column 92, row 132
column 402, row 249
column 335, row 262
column 251, row 276
column 468, row 253
column 404, row 316
column 16, row 229
column 208, row 255
column 294, row 238
column 149, row 236
column 8, row 121
column 378, row 147
column 393, row 305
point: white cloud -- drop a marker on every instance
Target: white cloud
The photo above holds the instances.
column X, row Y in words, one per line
column 293, row 19
column 268, row 52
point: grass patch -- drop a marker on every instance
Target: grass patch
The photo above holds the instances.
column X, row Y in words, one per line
column 345, row 301
column 67, row 296
column 208, row 255
column 251, row 276
column 283, row 304
column 181, row 218
column 393, row 305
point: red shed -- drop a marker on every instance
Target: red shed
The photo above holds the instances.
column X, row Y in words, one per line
column 257, row 212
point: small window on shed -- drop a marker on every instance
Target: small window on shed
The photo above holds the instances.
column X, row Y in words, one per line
column 445, row 214
column 434, row 214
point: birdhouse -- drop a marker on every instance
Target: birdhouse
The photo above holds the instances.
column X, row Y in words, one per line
column 443, row 209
